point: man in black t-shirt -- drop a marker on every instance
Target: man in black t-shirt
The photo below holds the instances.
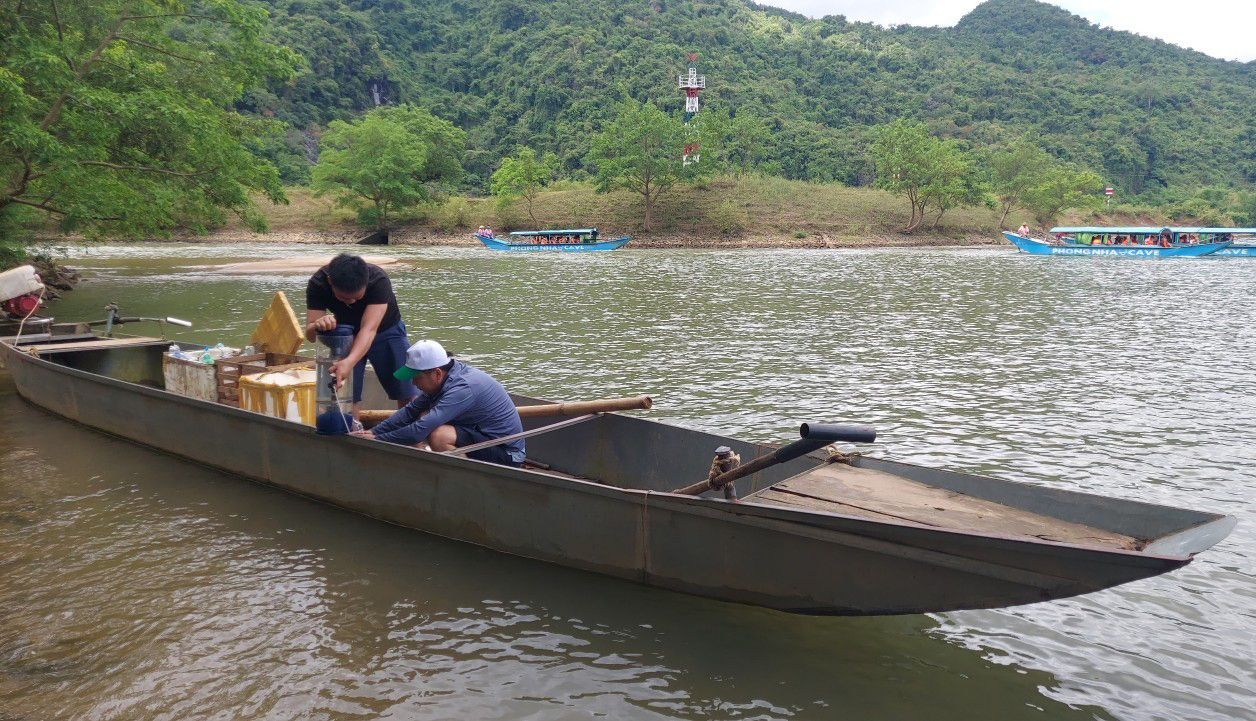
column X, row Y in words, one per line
column 350, row 291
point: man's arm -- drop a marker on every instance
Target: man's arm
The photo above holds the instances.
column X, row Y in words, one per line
column 404, row 416
column 445, row 409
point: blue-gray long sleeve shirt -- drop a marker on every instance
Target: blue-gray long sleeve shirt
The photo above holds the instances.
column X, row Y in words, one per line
column 469, row 397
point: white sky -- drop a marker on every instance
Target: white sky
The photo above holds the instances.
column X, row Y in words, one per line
column 1221, row 28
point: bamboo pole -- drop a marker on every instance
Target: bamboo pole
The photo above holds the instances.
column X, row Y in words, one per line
column 574, row 408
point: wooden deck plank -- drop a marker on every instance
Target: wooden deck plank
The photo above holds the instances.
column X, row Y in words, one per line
column 97, row 344
column 844, row 489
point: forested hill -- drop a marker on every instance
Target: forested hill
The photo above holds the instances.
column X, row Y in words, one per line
column 1143, row 114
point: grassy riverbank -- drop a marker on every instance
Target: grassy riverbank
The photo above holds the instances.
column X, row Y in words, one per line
column 723, row 212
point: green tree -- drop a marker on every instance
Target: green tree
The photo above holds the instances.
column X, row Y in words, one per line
column 1062, row 187
column 739, row 142
column 640, row 150
column 116, row 115
column 1014, row 172
column 522, row 175
column 391, row 157
column 932, row 173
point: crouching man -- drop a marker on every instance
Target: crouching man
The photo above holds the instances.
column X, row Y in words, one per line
column 457, row 405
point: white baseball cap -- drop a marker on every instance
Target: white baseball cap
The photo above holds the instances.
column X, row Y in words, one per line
column 422, row 356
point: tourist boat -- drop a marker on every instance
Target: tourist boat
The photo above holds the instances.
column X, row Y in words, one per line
column 1065, row 244
column 1243, row 239
column 559, row 241
column 843, row 534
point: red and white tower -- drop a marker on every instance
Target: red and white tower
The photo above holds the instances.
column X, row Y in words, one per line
column 691, row 84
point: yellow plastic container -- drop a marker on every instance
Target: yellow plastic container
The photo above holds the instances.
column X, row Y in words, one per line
column 285, row 394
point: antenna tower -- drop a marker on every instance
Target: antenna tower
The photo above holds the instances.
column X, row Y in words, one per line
column 691, row 84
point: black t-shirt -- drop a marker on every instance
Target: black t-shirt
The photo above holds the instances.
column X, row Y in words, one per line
column 318, row 296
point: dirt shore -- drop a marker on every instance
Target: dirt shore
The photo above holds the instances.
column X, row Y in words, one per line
column 425, row 237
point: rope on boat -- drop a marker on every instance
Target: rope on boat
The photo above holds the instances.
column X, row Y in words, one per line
column 721, row 463
column 836, row 456
column 18, row 339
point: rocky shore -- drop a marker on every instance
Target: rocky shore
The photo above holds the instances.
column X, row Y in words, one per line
column 57, row 278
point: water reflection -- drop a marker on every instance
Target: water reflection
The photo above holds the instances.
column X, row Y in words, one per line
column 1121, row 378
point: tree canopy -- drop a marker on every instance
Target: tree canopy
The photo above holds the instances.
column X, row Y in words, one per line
column 392, row 157
column 117, row 117
column 522, row 175
column 640, row 150
column 933, row 174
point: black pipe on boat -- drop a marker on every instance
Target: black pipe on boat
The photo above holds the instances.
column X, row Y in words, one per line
column 846, row 432
column 814, row 437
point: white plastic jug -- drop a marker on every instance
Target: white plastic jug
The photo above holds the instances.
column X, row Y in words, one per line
column 18, row 281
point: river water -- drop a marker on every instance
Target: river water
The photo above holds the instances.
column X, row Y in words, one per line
column 137, row 586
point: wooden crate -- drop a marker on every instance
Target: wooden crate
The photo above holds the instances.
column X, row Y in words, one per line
column 227, row 371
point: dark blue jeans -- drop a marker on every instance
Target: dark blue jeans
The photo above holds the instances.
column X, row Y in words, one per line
column 386, row 354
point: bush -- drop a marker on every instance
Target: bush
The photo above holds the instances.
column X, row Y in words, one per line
column 453, row 215
column 728, row 218
column 1201, row 211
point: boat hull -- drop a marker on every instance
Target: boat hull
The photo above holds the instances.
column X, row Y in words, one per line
column 1038, row 247
column 1238, row 251
column 495, row 244
column 781, row 558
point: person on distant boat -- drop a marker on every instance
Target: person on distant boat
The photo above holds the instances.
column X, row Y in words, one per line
column 458, row 405
column 1023, row 231
column 349, row 291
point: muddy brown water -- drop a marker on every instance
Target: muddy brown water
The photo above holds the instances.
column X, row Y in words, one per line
column 134, row 585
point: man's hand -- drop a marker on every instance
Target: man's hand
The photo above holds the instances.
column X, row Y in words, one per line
column 324, row 323
column 364, row 434
column 341, row 369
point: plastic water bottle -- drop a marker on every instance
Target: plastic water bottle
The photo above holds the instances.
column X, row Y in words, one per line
column 206, row 358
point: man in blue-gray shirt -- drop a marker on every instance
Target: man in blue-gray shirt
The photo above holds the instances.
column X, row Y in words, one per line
column 457, row 405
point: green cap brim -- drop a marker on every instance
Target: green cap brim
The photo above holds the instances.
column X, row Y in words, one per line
column 405, row 373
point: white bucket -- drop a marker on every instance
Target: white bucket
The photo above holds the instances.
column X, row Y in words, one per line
column 18, row 281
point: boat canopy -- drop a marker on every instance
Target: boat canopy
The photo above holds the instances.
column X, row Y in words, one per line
column 1149, row 230
column 578, row 231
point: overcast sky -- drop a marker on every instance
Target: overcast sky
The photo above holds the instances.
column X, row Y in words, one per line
column 1221, row 28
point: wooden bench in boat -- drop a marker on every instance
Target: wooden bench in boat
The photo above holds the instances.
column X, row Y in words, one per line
column 863, row 492
column 95, row 344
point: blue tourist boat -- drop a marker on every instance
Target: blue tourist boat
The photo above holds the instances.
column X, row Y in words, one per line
column 1243, row 240
column 560, row 241
column 1065, row 244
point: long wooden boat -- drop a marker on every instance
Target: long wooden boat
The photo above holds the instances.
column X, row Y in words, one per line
column 1242, row 240
column 860, row 536
column 579, row 240
column 1034, row 246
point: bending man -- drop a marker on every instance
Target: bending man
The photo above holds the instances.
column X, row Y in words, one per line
column 350, row 291
column 457, row 405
